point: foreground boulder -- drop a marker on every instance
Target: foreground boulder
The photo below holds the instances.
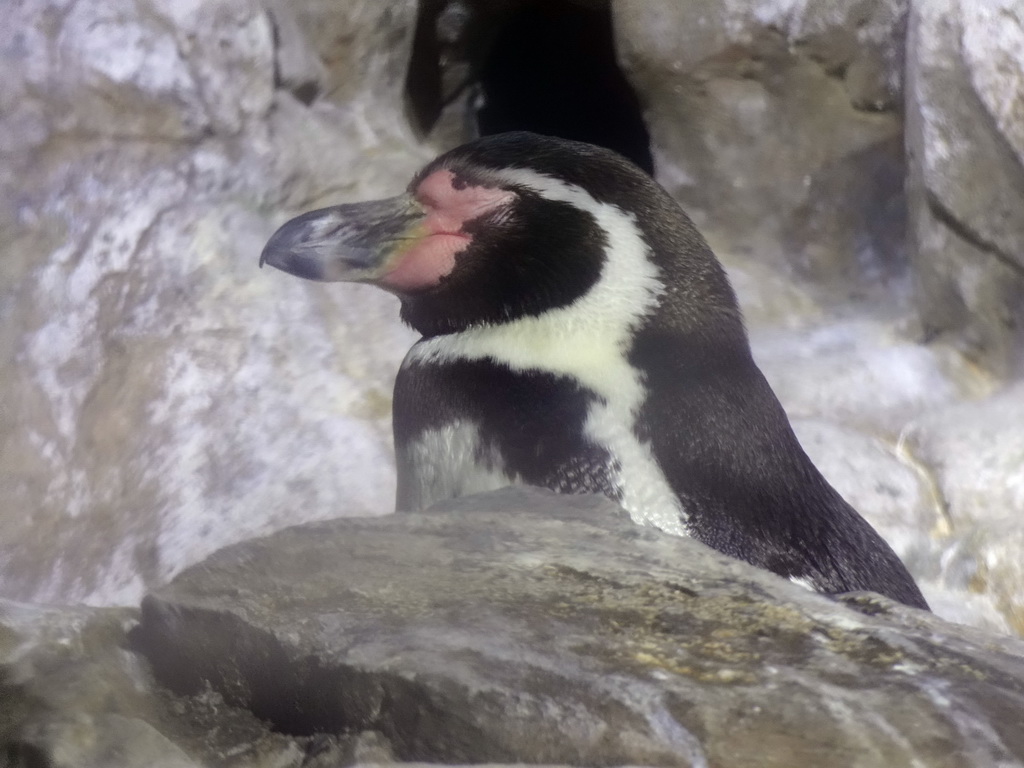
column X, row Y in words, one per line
column 521, row 626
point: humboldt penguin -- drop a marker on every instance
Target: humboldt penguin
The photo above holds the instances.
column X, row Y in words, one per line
column 578, row 334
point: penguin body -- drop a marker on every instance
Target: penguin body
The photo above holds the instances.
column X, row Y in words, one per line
column 579, row 335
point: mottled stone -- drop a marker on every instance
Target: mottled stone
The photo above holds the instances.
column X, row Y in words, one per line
column 362, row 45
column 74, row 696
column 777, row 125
column 993, row 49
column 521, row 626
column 160, row 396
column 966, row 184
column 977, row 453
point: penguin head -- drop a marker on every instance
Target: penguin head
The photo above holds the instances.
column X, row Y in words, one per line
column 509, row 226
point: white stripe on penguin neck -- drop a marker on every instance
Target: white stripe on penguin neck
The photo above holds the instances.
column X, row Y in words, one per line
column 587, row 341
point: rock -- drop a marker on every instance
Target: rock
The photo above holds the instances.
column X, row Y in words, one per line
column 109, row 741
column 895, row 490
column 858, row 371
column 297, row 68
column 521, row 626
column 777, row 125
column 977, row 451
column 156, row 384
column 768, row 298
column 362, row 46
column 74, row 696
column 993, row 48
column 965, row 189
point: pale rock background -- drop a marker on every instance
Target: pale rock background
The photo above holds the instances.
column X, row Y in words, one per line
column 162, row 397
column 858, row 167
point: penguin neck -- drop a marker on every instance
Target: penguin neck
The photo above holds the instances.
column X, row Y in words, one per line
column 596, row 360
column 588, row 342
column 588, row 339
column 591, row 350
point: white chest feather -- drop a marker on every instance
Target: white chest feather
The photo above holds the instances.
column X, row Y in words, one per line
column 587, row 342
column 449, row 462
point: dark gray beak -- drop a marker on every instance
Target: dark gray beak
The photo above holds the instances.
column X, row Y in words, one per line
column 358, row 242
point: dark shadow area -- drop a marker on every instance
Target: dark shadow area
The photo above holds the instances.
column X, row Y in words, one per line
column 423, row 90
column 552, row 70
column 546, row 66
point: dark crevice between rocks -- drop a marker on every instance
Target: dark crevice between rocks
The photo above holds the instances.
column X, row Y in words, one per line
column 423, row 80
column 306, row 92
column 275, row 41
column 300, row 696
column 538, row 65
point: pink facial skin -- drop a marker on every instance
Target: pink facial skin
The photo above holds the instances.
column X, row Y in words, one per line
column 432, row 256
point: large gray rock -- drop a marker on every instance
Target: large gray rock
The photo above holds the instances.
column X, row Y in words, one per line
column 965, row 76
column 521, row 626
column 778, row 125
column 156, row 388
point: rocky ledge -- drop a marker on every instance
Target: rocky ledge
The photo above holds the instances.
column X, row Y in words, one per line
column 513, row 627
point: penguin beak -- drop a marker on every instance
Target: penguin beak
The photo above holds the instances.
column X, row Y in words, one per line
column 358, row 242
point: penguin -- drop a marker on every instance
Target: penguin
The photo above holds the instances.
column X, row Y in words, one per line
column 578, row 334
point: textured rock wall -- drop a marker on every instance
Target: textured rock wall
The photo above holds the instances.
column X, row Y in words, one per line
column 159, row 396
column 778, row 124
column 965, row 115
